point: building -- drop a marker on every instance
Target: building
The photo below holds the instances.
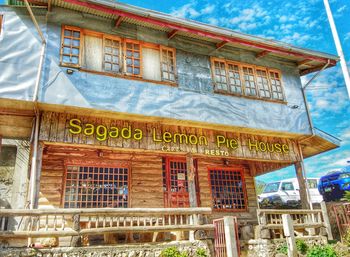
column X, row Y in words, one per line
column 130, row 108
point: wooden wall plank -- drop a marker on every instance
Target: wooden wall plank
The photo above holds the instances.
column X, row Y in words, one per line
column 55, row 128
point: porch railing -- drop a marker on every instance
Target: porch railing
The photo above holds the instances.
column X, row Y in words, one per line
column 83, row 222
column 342, row 215
column 305, row 222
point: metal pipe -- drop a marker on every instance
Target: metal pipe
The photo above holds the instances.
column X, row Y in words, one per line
column 307, row 108
column 34, row 21
column 338, row 46
column 33, row 168
column 316, row 75
column 303, row 88
column 38, row 76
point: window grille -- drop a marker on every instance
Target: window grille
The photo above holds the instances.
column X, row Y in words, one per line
column 96, row 187
column 227, row 189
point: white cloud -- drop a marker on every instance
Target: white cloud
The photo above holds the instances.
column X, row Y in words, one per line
column 347, row 36
column 341, row 9
column 248, row 18
column 208, row 9
column 190, row 11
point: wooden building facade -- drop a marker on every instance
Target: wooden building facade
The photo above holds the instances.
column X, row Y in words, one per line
column 127, row 108
column 147, row 164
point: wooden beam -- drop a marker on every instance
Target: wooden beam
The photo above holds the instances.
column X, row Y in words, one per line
column 37, row 3
column 49, row 5
column 118, row 21
column 221, row 44
column 302, row 185
column 262, row 54
column 316, row 68
column 303, row 62
column 172, row 33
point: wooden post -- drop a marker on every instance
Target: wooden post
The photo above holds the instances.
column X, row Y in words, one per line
column 302, row 185
column 326, row 220
column 38, row 175
column 230, row 236
column 76, row 240
column 191, row 189
column 191, row 180
column 289, row 233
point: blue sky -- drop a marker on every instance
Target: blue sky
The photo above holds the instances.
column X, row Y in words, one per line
column 301, row 23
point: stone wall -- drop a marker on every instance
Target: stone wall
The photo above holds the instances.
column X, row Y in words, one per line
column 269, row 248
column 132, row 250
column 14, row 160
column 7, row 168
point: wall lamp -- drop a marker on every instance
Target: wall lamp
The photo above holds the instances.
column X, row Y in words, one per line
column 70, row 71
column 294, row 106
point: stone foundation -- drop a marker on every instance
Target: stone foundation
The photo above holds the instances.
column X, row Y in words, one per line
column 130, row 250
column 268, row 248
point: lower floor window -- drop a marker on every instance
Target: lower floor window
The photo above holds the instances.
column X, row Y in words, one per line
column 96, row 187
column 227, row 189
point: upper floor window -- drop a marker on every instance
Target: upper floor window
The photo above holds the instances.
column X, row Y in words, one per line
column 246, row 80
column 95, row 51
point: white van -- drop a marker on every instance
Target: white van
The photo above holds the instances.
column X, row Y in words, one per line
column 286, row 192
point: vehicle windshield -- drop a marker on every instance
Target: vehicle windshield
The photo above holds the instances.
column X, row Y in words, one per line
column 312, row 183
column 272, row 187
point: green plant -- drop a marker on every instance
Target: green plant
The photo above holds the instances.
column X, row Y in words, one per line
column 346, row 196
column 201, row 252
column 322, row 251
column 170, row 252
column 173, row 252
column 301, row 246
column 283, row 249
column 183, row 254
column 346, row 237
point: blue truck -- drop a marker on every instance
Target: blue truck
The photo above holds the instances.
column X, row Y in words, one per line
column 333, row 185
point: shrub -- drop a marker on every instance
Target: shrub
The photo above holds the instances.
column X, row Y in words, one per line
column 301, row 246
column 283, row 249
column 201, row 252
column 322, row 251
column 173, row 252
column 346, row 238
column 346, row 196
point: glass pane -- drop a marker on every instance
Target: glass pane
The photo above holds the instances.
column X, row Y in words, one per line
column 75, row 60
column 66, row 50
column 76, row 42
column 108, row 66
column 75, row 51
column 67, row 33
column 108, row 49
column 76, row 34
column 67, row 41
column 66, row 59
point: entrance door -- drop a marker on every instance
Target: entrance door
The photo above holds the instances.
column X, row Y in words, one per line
column 175, row 183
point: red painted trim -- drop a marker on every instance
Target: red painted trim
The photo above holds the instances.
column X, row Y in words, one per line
column 198, row 32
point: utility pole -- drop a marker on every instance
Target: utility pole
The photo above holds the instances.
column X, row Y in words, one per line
column 338, row 46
